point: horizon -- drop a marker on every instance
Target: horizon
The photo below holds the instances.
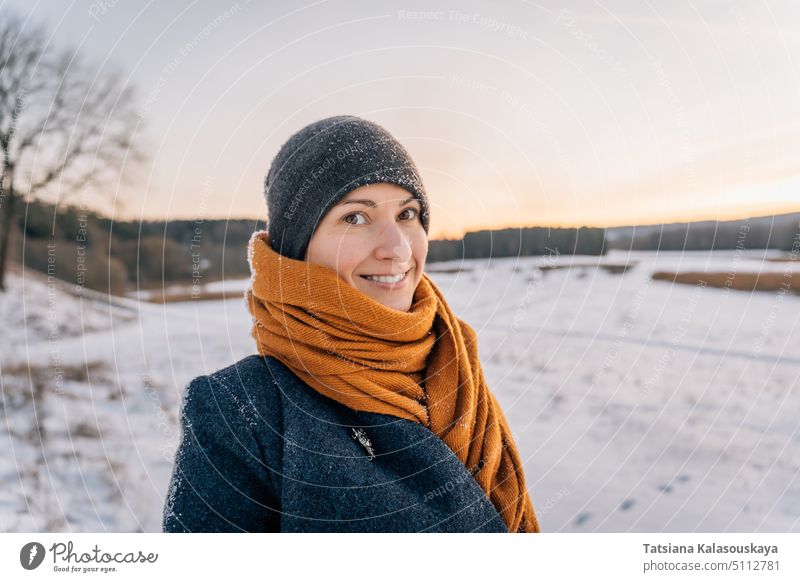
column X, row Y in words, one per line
column 558, row 114
column 500, row 227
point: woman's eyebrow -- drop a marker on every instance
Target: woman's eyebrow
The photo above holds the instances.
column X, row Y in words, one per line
column 371, row 204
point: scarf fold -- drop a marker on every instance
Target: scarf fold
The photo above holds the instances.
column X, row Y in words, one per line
column 421, row 365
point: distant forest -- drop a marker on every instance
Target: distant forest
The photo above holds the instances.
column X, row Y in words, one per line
column 119, row 256
column 516, row 242
column 779, row 232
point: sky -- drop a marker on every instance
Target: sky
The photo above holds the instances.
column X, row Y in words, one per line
column 517, row 113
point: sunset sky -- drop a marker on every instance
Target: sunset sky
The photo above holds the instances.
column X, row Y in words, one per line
column 517, row 113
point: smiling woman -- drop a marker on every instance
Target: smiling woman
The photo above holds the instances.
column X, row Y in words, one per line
column 366, row 408
column 380, row 249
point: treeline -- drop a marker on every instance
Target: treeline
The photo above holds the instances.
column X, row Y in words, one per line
column 87, row 249
column 117, row 256
column 515, row 242
column 766, row 232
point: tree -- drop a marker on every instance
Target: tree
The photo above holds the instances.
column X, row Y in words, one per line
column 64, row 126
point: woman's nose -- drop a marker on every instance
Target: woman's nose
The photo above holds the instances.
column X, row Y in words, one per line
column 392, row 243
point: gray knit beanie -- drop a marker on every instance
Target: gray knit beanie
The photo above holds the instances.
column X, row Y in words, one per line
column 319, row 165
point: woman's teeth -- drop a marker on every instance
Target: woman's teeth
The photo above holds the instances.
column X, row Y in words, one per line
column 384, row 278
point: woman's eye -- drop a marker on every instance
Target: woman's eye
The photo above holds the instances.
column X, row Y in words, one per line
column 354, row 215
column 358, row 215
column 413, row 211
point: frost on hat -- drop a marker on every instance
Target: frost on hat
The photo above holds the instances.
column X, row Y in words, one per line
column 320, row 164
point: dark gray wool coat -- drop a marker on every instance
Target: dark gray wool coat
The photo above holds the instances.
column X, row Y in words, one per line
column 261, row 451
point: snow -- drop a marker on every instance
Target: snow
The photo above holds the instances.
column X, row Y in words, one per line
column 637, row 405
column 226, row 285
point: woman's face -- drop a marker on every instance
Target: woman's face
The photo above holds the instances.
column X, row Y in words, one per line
column 375, row 230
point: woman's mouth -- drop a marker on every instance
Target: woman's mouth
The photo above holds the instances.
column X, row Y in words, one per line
column 390, row 282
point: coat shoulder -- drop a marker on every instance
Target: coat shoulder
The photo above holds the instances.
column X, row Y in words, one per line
column 250, row 378
column 250, row 370
column 227, row 473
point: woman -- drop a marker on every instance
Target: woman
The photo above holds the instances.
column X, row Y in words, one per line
column 366, row 409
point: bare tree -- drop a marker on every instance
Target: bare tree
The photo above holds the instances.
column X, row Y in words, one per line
column 64, row 126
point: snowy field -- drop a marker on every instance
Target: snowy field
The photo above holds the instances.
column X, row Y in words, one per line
column 638, row 405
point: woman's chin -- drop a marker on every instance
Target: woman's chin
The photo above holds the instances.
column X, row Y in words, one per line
column 399, row 300
column 396, row 302
column 395, row 296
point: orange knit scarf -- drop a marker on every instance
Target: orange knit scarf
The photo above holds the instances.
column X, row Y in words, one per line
column 370, row 357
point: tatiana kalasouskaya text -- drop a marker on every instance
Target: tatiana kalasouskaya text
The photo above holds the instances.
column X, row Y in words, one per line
column 710, row 549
